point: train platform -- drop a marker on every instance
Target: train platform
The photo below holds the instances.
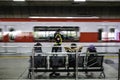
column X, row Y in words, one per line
column 16, row 67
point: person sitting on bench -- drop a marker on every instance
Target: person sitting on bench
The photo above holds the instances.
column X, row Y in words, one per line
column 37, row 47
column 72, row 57
column 90, row 58
column 55, row 60
column 91, row 51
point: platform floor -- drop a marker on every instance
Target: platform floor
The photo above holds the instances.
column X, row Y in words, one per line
column 16, row 68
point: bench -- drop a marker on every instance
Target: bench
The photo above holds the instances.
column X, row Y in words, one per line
column 91, row 64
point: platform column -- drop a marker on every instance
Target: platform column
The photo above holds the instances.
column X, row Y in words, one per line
column 119, row 65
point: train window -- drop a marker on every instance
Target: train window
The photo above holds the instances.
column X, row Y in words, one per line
column 0, row 29
column 112, row 30
column 100, row 34
column 11, row 34
column 11, row 29
column 111, row 34
column 46, row 33
column 1, row 34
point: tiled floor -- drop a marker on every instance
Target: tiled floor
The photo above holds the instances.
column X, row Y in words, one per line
column 16, row 68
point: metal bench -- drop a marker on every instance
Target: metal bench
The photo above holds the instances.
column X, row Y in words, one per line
column 92, row 64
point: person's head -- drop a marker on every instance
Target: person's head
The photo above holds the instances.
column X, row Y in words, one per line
column 58, row 30
column 91, row 48
column 38, row 43
column 73, row 45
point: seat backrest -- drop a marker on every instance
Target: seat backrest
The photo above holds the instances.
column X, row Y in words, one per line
column 80, row 61
column 95, row 61
column 39, row 61
column 72, row 60
column 57, row 61
column 56, row 48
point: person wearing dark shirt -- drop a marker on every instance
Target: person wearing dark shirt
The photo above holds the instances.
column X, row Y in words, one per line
column 58, row 41
column 91, row 50
column 91, row 57
column 56, row 48
column 58, row 37
column 37, row 58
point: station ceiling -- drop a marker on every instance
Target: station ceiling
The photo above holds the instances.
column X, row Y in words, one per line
column 60, row 3
column 60, row 8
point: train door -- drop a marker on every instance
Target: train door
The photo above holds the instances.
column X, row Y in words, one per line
column 108, row 32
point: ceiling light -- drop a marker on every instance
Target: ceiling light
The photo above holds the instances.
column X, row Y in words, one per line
column 79, row 0
column 18, row 0
column 64, row 17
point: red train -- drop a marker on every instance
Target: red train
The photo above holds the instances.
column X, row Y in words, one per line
column 74, row 29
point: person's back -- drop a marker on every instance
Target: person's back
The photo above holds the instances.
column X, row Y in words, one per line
column 90, row 58
column 72, row 57
column 37, row 57
column 91, row 50
column 56, row 48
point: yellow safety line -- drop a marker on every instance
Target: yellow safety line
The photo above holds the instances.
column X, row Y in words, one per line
column 111, row 56
column 14, row 56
